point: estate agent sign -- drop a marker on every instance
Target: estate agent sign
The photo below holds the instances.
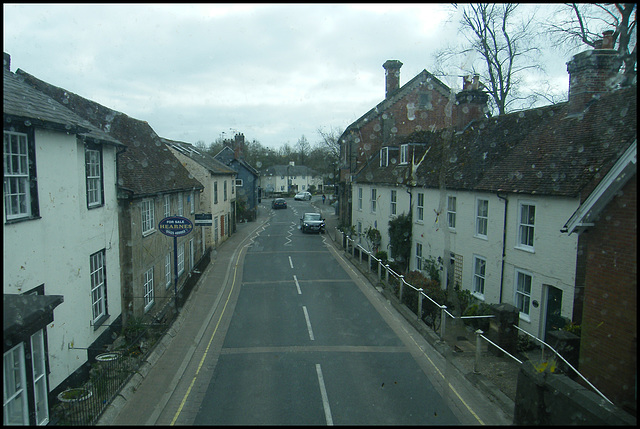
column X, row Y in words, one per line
column 175, row 226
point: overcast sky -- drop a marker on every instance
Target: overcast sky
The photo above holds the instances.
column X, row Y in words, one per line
column 194, row 72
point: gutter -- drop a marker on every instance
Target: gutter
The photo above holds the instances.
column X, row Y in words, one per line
column 504, row 243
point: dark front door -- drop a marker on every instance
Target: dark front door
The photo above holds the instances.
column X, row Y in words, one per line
column 554, row 320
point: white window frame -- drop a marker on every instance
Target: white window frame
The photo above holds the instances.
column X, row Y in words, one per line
column 39, row 371
column 479, row 276
column 147, row 287
column 93, row 171
column 404, row 154
column 167, row 205
column 192, row 250
column 147, row 211
column 419, row 256
column 239, row 182
column 482, row 218
column 451, row 211
column 526, row 230
column 360, row 199
column 394, row 202
column 167, row 270
column 420, row 207
column 224, row 190
column 180, row 259
column 374, row 199
column 17, row 177
column 180, row 210
column 192, row 197
column 384, row 157
column 215, row 192
column 97, row 268
column 15, row 410
column 522, row 298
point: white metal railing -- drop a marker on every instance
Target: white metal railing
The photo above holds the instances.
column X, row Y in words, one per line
column 443, row 309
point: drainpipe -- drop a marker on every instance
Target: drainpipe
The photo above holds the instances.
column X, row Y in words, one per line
column 504, row 243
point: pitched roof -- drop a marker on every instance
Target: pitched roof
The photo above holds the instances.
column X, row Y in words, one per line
column 147, row 167
column 26, row 105
column 202, row 158
column 544, row 151
column 227, row 157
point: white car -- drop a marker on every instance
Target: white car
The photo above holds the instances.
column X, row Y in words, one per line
column 301, row 196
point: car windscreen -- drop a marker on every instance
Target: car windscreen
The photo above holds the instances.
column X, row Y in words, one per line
column 312, row 216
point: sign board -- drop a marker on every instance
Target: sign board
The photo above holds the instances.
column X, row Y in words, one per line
column 175, row 226
column 204, row 219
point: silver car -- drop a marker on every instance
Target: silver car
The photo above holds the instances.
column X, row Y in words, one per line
column 301, row 196
column 312, row 222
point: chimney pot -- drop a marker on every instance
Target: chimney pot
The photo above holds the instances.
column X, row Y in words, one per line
column 392, row 76
column 607, row 39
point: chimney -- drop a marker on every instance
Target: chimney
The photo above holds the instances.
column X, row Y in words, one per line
column 471, row 102
column 592, row 73
column 392, row 76
column 238, row 146
column 6, row 61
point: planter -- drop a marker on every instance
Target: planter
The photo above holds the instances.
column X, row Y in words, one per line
column 74, row 395
column 108, row 357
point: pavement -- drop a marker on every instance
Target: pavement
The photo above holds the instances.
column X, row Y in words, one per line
column 140, row 403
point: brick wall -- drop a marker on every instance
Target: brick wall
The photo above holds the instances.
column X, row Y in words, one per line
column 608, row 355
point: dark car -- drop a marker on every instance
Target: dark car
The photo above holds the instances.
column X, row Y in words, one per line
column 312, row 222
column 279, row 203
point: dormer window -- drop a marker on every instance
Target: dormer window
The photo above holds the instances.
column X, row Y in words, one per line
column 384, row 157
column 404, row 154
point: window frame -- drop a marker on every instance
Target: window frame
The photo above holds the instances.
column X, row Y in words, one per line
column 419, row 259
column 180, row 259
column 522, row 227
column 360, row 198
column 19, row 387
column 523, row 294
column 394, row 202
column 94, row 177
column 148, row 289
column 98, row 283
column 420, row 207
column 482, row 220
column 147, row 213
column 384, row 156
column 180, row 209
column 167, row 270
column 479, row 278
column 374, row 199
column 451, row 214
column 32, row 208
column 404, row 154
column 167, row 206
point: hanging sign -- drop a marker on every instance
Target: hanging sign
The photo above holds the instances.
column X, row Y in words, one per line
column 204, row 219
column 175, row 226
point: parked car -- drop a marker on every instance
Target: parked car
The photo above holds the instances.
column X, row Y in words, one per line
column 312, row 222
column 279, row 203
column 301, row 196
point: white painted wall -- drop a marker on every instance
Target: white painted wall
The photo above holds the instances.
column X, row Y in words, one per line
column 55, row 249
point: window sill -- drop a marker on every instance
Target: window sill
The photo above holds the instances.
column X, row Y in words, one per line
column 148, row 233
column 525, row 249
column 478, row 295
column 525, row 317
column 98, row 323
column 482, row 237
column 21, row 219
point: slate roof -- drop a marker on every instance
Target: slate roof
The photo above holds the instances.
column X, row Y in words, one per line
column 202, row 158
column 227, row 157
column 544, row 151
column 24, row 105
column 147, row 167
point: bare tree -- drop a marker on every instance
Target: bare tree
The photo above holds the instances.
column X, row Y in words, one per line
column 583, row 24
column 304, row 147
column 504, row 38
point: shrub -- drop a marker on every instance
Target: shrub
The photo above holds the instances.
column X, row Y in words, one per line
column 478, row 309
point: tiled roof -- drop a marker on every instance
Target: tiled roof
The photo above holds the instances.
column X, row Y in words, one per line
column 147, row 167
column 25, row 104
column 541, row 151
column 202, row 158
column 227, row 157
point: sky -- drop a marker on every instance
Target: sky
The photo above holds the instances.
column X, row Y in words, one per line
column 198, row 72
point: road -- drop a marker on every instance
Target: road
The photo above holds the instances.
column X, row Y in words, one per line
column 300, row 338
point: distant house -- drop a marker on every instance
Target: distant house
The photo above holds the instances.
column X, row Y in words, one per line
column 61, row 270
column 424, row 103
column 151, row 184
column 606, row 222
column 219, row 196
column 246, row 181
column 286, row 179
column 489, row 200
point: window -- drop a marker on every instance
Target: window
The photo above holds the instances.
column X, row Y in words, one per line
column 374, row 196
column 526, row 225
column 98, row 287
column 384, row 157
column 479, row 273
column 394, row 202
column 180, row 204
column 359, row 198
column 20, row 192
column 180, row 259
column 148, row 218
column 523, row 292
column 215, row 192
column 239, row 182
column 420, row 216
column 15, row 409
column 192, row 255
column 224, row 190
column 404, row 154
column 482, row 216
column 215, row 230
column 148, row 289
column 192, row 199
column 418, row 256
column 451, row 212
column 38, row 366
column 167, row 206
column 167, row 270
column 93, row 171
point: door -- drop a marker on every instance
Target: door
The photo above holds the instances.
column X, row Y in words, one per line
column 554, row 319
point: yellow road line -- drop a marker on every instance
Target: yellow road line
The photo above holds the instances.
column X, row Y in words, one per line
column 186, row 395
